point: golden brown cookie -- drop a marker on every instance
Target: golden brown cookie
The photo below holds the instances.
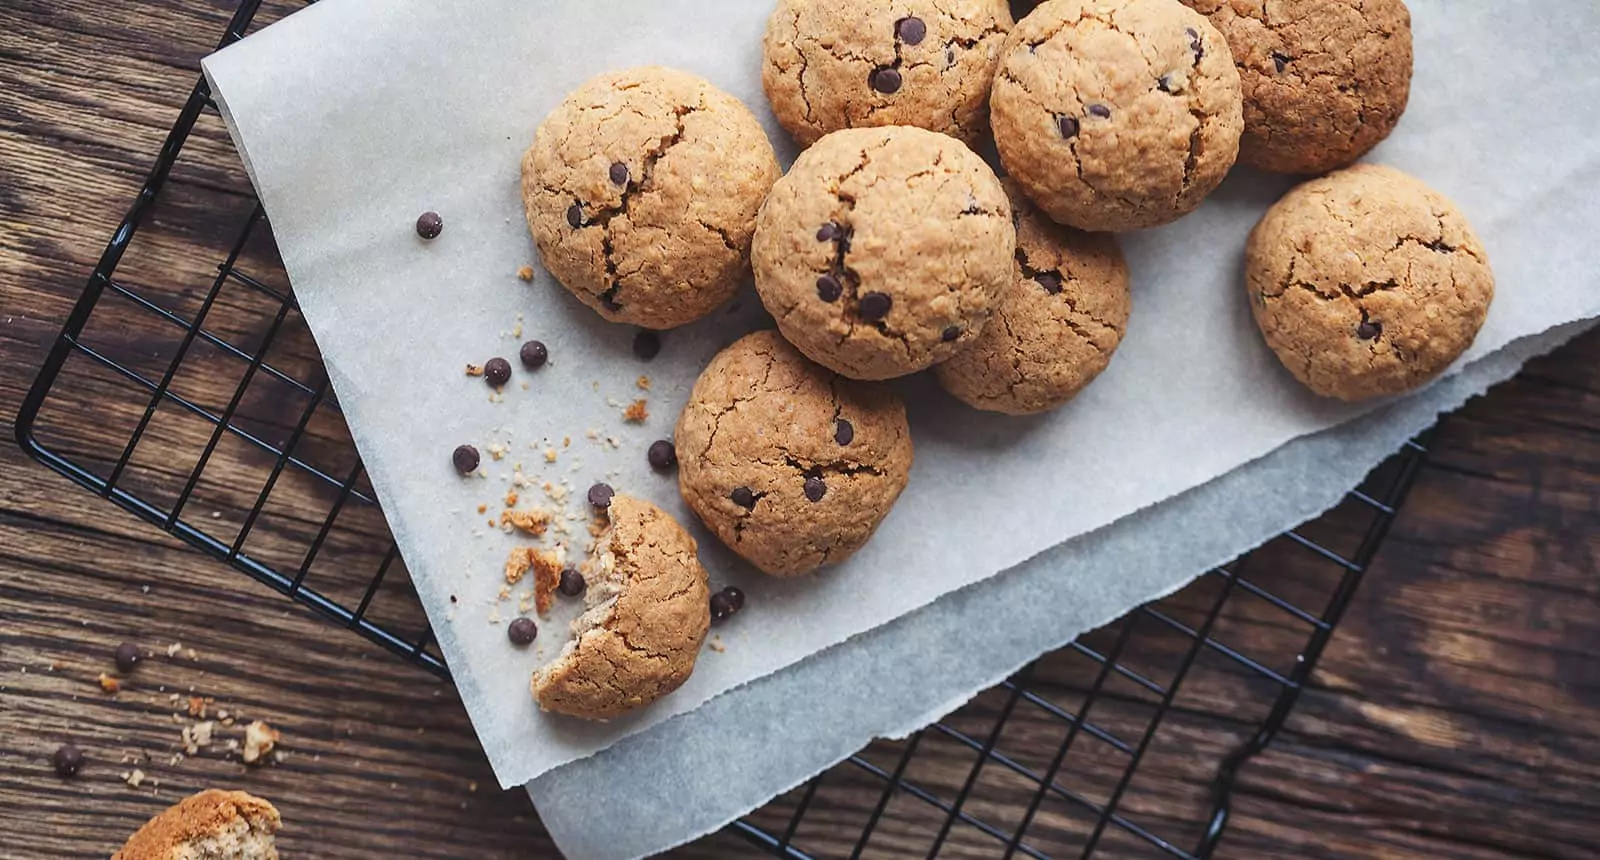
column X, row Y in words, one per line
column 792, row 466
column 830, row 65
column 881, row 252
column 1116, row 114
column 647, row 611
column 216, row 825
column 1055, row 326
column 641, row 191
column 1324, row 80
column 1367, row 282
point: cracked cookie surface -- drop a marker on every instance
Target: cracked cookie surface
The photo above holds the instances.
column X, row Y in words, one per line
column 881, row 252
column 1116, row 114
column 791, row 465
column 647, row 611
column 1055, row 326
column 1367, row 282
column 829, row 65
column 641, row 190
column 1324, row 80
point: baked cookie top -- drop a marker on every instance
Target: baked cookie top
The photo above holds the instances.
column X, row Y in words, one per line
column 230, row 825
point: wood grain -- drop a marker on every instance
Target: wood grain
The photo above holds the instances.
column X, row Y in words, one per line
column 1454, row 715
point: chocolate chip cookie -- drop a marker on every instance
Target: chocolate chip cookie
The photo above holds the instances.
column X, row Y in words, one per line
column 792, row 466
column 1116, row 114
column 881, row 252
column 1367, row 282
column 1055, row 325
column 222, row 824
column 1324, row 80
column 641, row 191
column 829, row 65
column 648, row 609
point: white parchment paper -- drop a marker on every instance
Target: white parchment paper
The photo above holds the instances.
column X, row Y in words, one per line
column 355, row 115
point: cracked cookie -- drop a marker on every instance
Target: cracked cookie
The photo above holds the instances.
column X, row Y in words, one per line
column 881, row 252
column 1367, row 282
column 1116, row 114
column 227, row 825
column 1055, row 325
column 1324, row 80
column 792, row 466
column 641, row 190
column 648, row 606
column 829, row 65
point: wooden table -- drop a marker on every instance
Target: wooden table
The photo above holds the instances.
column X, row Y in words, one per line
column 1457, row 712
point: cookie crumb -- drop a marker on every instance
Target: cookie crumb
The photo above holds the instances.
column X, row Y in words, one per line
column 525, row 273
column 474, row 370
column 517, row 564
column 483, row 509
column 534, row 521
column 637, row 413
column 510, row 498
column 133, row 778
column 547, row 566
column 174, row 648
column 497, row 451
column 716, row 645
column 643, row 382
column 259, row 739
column 566, row 441
column 110, row 684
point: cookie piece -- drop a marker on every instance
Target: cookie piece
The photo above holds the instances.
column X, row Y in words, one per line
column 1055, row 326
column 224, row 825
column 1324, row 80
column 792, row 466
column 881, row 252
column 1116, row 114
column 829, row 65
column 1367, row 282
column 648, row 606
column 641, row 191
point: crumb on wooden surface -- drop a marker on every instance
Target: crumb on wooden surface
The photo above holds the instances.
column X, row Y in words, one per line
column 525, row 273
column 637, row 412
column 110, row 684
column 474, row 370
column 197, row 707
column 259, row 739
column 134, row 778
column 174, row 648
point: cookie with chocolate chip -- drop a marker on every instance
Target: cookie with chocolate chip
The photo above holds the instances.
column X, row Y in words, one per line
column 789, row 464
column 1116, row 114
column 1367, row 282
column 881, row 252
column 829, row 65
column 641, row 190
column 1056, row 324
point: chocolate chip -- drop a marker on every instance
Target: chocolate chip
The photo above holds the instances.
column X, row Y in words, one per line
column 465, row 458
column 600, row 495
column 843, row 432
column 1369, row 330
column 67, row 759
column 1280, row 61
column 1100, row 111
column 1164, row 84
column 735, row 597
column 534, row 354
column 575, row 215
column 127, row 656
column 1195, row 44
column 815, row 489
column 1051, row 281
column 1069, row 127
column 429, row 225
column 950, row 333
column 828, row 232
column 721, row 607
column 497, row 372
column 874, row 307
column 572, row 583
column 609, row 300
column 885, row 80
column 522, row 631
column 829, row 289
column 647, row 344
column 911, row 30
column 743, row 497
column 619, row 173
column 662, row 455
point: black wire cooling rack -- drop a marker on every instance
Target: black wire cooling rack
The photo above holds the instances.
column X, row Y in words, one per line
column 1125, row 743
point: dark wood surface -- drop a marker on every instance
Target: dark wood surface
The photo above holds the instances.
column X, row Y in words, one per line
column 1456, row 713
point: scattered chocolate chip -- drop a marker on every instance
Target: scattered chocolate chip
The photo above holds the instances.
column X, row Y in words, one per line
column 721, row 607
column 829, row 289
column 911, row 30
column 815, row 488
column 1069, row 127
column 874, row 306
column 465, row 458
column 1100, row 111
column 1280, row 61
column 572, row 583
column 662, row 455
column 497, row 372
column 950, row 333
column 67, row 759
column 600, row 495
column 1164, row 84
column 1369, row 330
column 843, row 432
column 522, row 631
column 127, row 657
column 647, row 344
column 828, row 232
column 534, row 354
column 575, row 215
column 743, row 497
column 1051, row 281
column 885, row 80
column 429, row 225
column 619, row 173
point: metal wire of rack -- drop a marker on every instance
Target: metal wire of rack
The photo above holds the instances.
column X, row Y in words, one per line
column 1044, row 765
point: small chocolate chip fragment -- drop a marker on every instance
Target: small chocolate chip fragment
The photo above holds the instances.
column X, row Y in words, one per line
column 575, row 215
column 1195, row 44
column 522, row 631
column 815, row 488
column 429, row 225
column 647, row 344
column 844, row 432
column 572, row 583
column 1164, row 84
column 874, row 307
column 465, row 459
column 67, row 760
column 534, row 354
column 497, row 372
column 1069, row 127
column 1280, row 61
column 911, row 30
column 828, row 232
column 829, row 289
column 950, row 333
column 885, row 80
column 1100, row 111
column 619, row 173
column 127, row 656
column 743, row 497
column 1050, row 281
column 1369, row 330
column 662, row 455
column 600, row 495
